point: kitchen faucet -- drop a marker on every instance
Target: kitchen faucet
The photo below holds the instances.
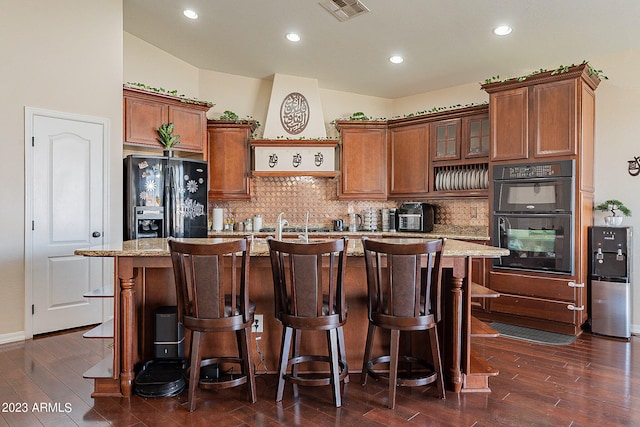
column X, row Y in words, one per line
column 305, row 236
column 280, row 226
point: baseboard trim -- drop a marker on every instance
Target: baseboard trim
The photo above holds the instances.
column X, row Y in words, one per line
column 12, row 337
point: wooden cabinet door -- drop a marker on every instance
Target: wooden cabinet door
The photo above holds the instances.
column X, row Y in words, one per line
column 363, row 163
column 445, row 139
column 229, row 162
column 191, row 125
column 141, row 121
column 144, row 112
column 554, row 120
column 476, row 134
column 409, row 161
column 509, row 117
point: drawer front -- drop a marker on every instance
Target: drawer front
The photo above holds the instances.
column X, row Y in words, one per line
column 535, row 286
column 537, row 308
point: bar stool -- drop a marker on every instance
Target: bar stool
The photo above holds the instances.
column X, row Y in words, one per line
column 213, row 297
column 404, row 292
column 310, row 297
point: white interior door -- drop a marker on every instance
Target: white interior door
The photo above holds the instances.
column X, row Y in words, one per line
column 67, row 198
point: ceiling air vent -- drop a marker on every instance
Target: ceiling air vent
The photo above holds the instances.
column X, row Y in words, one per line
column 344, row 10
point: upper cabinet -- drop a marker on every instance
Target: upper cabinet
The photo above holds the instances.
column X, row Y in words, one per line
column 476, row 134
column 440, row 154
column 445, row 135
column 408, row 159
column 145, row 111
column 363, row 160
column 540, row 116
column 229, row 160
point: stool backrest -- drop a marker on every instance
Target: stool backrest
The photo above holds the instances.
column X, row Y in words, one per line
column 302, row 287
column 403, row 280
column 211, row 278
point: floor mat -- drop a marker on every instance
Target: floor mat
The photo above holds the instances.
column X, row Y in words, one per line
column 532, row 335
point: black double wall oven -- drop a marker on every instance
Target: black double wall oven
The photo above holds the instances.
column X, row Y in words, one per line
column 533, row 215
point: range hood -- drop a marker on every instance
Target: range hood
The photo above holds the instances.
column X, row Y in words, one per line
column 295, row 138
column 294, row 157
column 294, row 110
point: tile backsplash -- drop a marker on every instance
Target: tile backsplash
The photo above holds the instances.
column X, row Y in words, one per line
column 295, row 195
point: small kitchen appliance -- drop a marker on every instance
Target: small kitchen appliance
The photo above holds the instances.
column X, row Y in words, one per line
column 610, row 280
column 416, row 217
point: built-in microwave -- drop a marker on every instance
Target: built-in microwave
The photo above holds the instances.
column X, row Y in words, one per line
column 534, row 187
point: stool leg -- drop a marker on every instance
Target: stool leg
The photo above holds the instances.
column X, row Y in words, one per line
column 296, row 352
column 367, row 352
column 393, row 366
column 343, row 353
column 437, row 364
column 284, row 360
column 247, row 366
column 332, row 337
column 194, row 374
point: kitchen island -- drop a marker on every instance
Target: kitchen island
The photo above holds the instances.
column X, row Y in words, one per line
column 143, row 282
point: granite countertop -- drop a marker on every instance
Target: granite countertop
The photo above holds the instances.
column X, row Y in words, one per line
column 259, row 247
column 480, row 233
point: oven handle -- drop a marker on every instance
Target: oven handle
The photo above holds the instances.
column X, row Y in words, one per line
column 531, row 214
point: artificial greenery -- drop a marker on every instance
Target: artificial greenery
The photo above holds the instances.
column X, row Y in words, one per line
column 612, row 206
column 228, row 115
column 182, row 97
column 558, row 70
column 165, row 136
column 359, row 115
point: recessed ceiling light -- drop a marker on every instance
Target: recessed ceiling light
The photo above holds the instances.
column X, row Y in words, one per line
column 293, row 37
column 502, row 30
column 190, row 14
column 396, row 59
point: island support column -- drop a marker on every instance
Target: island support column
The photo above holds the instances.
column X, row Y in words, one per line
column 127, row 323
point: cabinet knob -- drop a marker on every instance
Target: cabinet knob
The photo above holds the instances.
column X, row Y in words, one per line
column 96, row 234
column 574, row 308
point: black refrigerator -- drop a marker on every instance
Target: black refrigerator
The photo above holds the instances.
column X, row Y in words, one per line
column 164, row 196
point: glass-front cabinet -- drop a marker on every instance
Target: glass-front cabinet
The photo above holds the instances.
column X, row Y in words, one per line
column 445, row 137
column 476, row 136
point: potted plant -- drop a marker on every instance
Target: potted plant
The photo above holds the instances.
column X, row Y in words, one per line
column 167, row 139
column 613, row 206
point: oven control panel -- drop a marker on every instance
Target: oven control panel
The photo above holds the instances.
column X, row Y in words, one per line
column 534, row 170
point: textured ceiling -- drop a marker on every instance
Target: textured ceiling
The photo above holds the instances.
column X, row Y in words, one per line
column 445, row 43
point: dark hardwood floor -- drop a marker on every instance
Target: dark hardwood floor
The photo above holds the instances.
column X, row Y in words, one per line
column 592, row 382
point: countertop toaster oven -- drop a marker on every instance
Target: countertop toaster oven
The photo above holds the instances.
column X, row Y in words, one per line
column 416, row 217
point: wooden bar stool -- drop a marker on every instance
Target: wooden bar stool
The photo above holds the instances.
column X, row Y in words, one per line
column 309, row 296
column 213, row 297
column 404, row 292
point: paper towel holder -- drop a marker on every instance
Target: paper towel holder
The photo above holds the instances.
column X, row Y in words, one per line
column 218, row 219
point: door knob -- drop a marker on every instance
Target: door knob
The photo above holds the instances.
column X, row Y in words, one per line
column 96, row 234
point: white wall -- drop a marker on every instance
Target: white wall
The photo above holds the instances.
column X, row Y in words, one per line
column 617, row 141
column 145, row 63
column 66, row 56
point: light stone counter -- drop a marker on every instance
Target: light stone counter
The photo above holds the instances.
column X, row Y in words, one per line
column 457, row 232
column 159, row 247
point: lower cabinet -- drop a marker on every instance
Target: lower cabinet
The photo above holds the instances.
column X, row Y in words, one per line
column 546, row 302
